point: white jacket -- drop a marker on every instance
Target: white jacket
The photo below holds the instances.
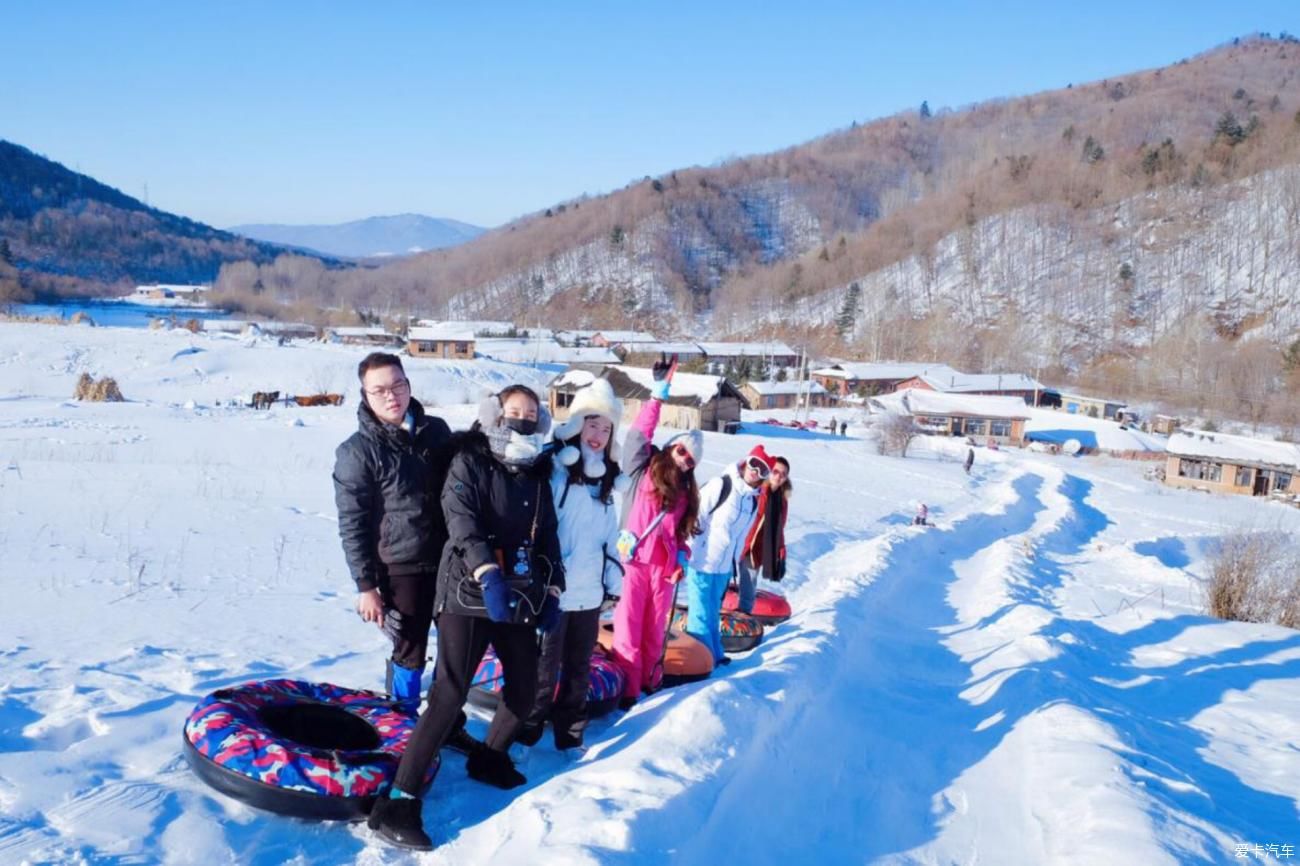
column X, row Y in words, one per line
column 717, row 548
column 586, row 525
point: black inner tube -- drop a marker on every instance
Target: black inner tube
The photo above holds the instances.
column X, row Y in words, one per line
column 319, row 726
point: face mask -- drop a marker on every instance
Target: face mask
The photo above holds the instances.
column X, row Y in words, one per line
column 593, row 462
column 522, row 426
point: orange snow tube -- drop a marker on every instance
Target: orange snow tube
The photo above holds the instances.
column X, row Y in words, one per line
column 686, row 660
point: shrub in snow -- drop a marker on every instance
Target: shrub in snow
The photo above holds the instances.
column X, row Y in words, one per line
column 103, row 391
column 1255, row 577
column 895, row 433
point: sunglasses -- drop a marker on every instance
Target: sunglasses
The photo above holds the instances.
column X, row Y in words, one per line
column 680, row 451
column 759, row 465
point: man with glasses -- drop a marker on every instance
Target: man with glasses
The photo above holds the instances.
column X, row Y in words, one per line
column 387, row 480
column 727, row 509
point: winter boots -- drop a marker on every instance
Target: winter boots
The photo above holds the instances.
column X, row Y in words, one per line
column 529, row 735
column 493, row 768
column 397, row 822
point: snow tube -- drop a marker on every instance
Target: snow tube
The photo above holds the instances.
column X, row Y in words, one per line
column 686, row 660
column 769, row 608
column 740, row 631
column 311, row 750
column 604, row 683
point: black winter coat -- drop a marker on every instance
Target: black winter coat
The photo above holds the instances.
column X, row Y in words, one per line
column 490, row 507
column 386, row 485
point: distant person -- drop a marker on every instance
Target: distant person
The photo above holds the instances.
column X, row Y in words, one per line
column 500, row 581
column 970, row 459
column 834, row 425
column 661, row 517
column 583, row 481
column 386, row 481
column 728, row 505
column 844, row 428
column 922, row 517
column 764, row 549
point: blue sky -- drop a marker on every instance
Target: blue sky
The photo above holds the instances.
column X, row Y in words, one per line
column 324, row 112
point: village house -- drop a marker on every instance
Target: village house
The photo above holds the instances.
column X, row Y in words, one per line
column 1225, row 463
column 170, row 291
column 445, row 340
column 697, row 402
column 614, row 339
column 868, row 379
column 541, row 352
column 784, row 395
column 363, row 336
column 1080, row 404
column 722, row 355
column 645, row 354
column 991, row 384
column 476, row 327
column 986, row 418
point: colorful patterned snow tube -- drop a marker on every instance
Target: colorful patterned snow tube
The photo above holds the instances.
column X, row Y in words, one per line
column 740, row 632
column 604, row 683
column 769, row 608
column 312, row 750
column 686, row 660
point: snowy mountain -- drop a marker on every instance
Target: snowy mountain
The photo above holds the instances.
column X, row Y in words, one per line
column 1031, row 680
column 400, row 235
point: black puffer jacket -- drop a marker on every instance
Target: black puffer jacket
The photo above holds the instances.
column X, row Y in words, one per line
column 386, row 485
column 491, row 507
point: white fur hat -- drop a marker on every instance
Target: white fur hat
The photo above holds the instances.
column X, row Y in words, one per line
column 596, row 398
column 692, row 441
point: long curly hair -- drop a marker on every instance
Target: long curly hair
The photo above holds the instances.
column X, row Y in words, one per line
column 669, row 483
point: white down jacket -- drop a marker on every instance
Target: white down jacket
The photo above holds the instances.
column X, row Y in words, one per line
column 588, row 532
column 723, row 527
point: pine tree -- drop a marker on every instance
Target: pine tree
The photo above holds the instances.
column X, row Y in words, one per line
column 849, row 312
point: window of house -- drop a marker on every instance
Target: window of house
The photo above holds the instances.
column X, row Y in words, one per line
column 1213, row 471
column 1193, row 469
column 976, row 426
column 462, row 348
column 999, row 428
column 1243, row 476
column 426, row 346
column 563, row 399
column 1281, row 481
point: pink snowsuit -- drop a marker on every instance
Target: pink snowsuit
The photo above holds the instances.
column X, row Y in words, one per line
column 641, row 616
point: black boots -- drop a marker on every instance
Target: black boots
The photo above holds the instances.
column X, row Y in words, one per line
column 398, row 823
column 493, row 768
column 626, row 702
column 529, row 735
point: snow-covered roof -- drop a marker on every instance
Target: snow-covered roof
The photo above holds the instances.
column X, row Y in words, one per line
column 1234, row 449
column 689, row 388
column 666, row 348
column 883, row 372
column 918, row 401
column 966, row 383
column 474, row 326
column 747, row 350
column 523, row 350
column 443, row 331
column 617, row 337
column 771, row 389
column 362, row 332
column 174, row 288
column 284, row 327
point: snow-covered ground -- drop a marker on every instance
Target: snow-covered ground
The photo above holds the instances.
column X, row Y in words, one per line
column 1029, row 681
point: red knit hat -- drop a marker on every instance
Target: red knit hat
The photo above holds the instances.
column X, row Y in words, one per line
column 759, row 452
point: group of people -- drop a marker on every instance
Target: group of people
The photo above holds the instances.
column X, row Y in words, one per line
column 509, row 535
column 841, row 427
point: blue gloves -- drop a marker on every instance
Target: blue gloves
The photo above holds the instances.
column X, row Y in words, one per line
column 496, row 595
column 549, row 618
column 662, row 372
column 660, row 390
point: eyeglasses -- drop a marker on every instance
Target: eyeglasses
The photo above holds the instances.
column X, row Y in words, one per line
column 759, row 465
column 680, row 451
column 397, row 389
